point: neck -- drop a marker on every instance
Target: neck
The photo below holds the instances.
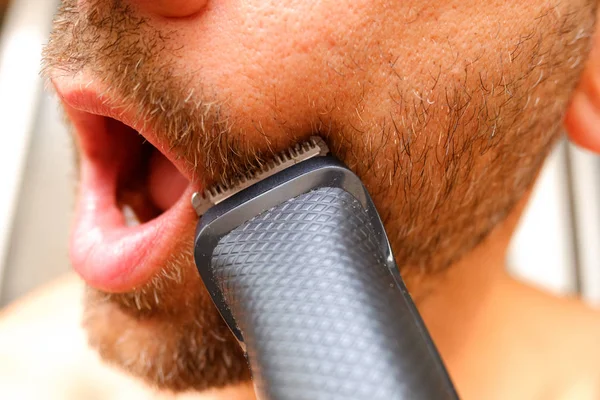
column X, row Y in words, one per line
column 464, row 301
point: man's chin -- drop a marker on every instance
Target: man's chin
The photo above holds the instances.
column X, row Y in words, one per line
column 175, row 342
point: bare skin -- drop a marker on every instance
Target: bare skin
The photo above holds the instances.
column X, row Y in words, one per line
column 446, row 111
column 61, row 362
column 503, row 339
column 499, row 338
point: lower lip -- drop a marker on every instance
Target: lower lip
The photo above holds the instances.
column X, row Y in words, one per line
column 108, row 254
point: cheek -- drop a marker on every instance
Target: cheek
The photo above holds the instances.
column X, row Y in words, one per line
column 277, row 63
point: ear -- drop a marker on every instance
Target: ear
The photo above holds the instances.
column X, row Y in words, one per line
column 582, row 119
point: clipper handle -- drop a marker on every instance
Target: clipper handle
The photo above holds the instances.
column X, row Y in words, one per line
column 322, row 316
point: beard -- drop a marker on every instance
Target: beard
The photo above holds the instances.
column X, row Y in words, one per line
column 167, row 332
column 443, row 169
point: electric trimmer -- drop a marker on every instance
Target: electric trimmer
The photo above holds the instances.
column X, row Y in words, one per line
column 298, row 263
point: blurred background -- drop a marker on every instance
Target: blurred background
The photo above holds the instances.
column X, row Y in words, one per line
column 557, row 246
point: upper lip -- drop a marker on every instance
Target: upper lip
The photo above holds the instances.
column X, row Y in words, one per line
column 108, row 254
column 92, row 100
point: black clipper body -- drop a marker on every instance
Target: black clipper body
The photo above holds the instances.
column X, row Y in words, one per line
column 300, row 267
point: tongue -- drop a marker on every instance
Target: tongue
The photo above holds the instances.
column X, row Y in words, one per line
column 166, row 184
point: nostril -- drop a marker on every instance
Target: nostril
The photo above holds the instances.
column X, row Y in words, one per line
column 173, row 8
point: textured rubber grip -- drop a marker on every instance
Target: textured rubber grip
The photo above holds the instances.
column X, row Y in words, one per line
column 321, row 315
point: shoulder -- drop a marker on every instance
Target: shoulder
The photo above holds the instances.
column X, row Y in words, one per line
column 530, row 344
column 580, row 349
column 564, row 333
column 44, row 352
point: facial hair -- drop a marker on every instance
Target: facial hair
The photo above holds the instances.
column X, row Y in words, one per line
column 438, row 195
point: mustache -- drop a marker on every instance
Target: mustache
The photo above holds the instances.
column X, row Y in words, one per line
column 135, row 61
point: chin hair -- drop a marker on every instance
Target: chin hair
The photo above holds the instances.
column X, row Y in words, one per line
column 181, row 345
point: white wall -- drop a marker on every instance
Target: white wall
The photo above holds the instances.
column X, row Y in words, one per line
column 542, row 251
column 38, row 245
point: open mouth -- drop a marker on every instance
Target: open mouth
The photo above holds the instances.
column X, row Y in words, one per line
column 147, row 183
column 133, row 204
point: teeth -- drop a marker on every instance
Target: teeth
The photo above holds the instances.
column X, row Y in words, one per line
column 131, row 220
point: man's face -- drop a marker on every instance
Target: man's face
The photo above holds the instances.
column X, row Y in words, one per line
column 445, row 109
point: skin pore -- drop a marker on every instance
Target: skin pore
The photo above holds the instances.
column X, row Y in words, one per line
column 445, row 109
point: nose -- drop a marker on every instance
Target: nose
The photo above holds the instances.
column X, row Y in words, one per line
column 172, row 8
